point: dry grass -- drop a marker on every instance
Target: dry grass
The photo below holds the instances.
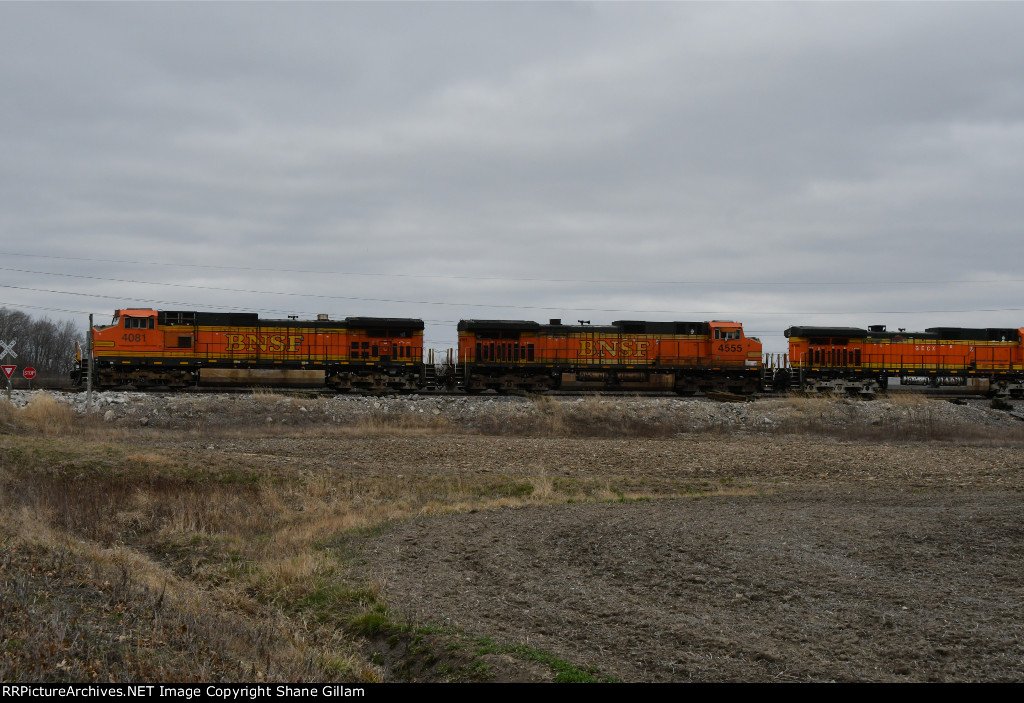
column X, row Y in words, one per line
column 43, row 415
column 47, row 416
column 194, row 566
column 121, row 565
column 123, row 561
column 78, row 612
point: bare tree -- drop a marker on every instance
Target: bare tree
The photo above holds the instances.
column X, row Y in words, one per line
column 47, row 345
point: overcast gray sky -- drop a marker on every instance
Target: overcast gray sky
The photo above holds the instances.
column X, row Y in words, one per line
column 772, row 163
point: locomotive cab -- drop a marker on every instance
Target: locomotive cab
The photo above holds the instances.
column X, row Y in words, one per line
column 131, row 329
column 730, row 347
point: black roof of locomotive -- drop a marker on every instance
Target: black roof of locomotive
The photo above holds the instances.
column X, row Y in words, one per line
column 190, row 317
column 990, row 334
column 251, row 319
column 475, row 325
column 854, row 333
column 806, row 331
column 405, row 323
column 645, row 327
column 590, row 329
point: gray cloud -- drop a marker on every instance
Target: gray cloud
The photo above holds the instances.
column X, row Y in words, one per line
column 737, row 160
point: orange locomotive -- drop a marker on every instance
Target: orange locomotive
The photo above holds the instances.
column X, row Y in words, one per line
column 850, row 359
column 685, row 357
column 142, row 348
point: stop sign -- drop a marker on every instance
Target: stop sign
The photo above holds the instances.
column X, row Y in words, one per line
column 29, row 373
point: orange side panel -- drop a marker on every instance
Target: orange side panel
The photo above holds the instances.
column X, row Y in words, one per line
column 611, row 350
column 894, row 356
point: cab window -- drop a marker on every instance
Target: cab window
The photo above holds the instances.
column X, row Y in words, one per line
column 138, row 323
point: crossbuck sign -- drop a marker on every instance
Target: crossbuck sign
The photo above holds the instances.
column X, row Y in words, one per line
column 7, row 348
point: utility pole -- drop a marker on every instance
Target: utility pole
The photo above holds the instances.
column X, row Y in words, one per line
column 88, row 368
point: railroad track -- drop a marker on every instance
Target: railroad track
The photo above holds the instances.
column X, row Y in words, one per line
column 935, row 393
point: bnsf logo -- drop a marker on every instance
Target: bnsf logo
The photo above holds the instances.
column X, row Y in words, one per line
column 605, row 348
column 263, row 342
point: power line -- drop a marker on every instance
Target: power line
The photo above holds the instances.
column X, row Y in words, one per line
column 136, row 301
column 42, row 307
column 618, row 281
column 515, row 307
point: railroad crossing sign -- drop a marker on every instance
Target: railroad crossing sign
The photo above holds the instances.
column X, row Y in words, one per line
column 8, row 370
column 7, row 348
column 29, row 373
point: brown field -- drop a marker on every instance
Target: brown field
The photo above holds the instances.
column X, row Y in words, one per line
column 269, row 537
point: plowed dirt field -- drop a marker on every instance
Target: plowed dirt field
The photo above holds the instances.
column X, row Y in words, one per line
column 793, row 560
